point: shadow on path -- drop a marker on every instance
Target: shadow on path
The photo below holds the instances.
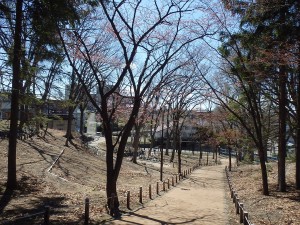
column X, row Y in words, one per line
column 5, row 199
column 144, row 218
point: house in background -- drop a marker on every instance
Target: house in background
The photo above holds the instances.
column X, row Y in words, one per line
column 59, row 122
column 188, row 129
column 55, row 110
column 4, row 106
column 57, row 113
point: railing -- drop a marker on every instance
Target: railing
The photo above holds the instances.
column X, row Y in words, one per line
column 239, row 206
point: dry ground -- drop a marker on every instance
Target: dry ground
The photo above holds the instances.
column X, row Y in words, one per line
column 76, row 175
column 200, row 199
column 79, row 174
column 278, row 208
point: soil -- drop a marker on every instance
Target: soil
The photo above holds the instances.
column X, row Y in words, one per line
column 200, row 199
column 276, row 209
column 61, row 177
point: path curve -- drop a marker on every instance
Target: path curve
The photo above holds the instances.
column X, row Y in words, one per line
column 200, row 199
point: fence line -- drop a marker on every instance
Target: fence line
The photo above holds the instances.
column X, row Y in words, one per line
column 239, row 206
column 46, row 213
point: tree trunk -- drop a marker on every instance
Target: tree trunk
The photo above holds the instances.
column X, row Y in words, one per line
column 162, row 148
column 167, row 142
column 179, row 156
column 113, row 169
column 201, row 151
column 45, row 130
column 193, row 147
column 23, row 115
column 177, row 132
column 168, row 132
column 38, row 122
column 174, row 145
column 151, row 136
column 69, row 135
column 111, row 188
column 282, row 130
column 207, row 157
column 200, row 154
column 136, row 141
column 297, row 150
column 216, row 159
column 251, row 153
column 81, row 120
column 263, row 168
column 229, row 159
column 12, row 152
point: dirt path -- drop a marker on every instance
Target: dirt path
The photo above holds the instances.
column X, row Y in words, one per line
column 197, row 200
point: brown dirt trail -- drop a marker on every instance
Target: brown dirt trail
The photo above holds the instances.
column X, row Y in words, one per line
column 197, row 200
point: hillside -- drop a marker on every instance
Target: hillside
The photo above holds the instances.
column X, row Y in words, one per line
column 77, row 174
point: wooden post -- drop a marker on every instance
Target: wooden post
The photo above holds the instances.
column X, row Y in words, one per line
column 172, row 181
column 245, row 220
column 176, row 179
column 112, row 204
column 47, row 215
column 157, row 188
column 128, row 199
column 237, row 200
column 164, row 187
column 141, row 195
column 150, row 192
column 168, row 183
column 86, row 211
column 241, row 212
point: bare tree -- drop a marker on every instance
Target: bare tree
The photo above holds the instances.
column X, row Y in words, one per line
column 147, row 36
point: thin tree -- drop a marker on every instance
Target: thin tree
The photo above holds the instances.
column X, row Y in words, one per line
column 12, row 148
